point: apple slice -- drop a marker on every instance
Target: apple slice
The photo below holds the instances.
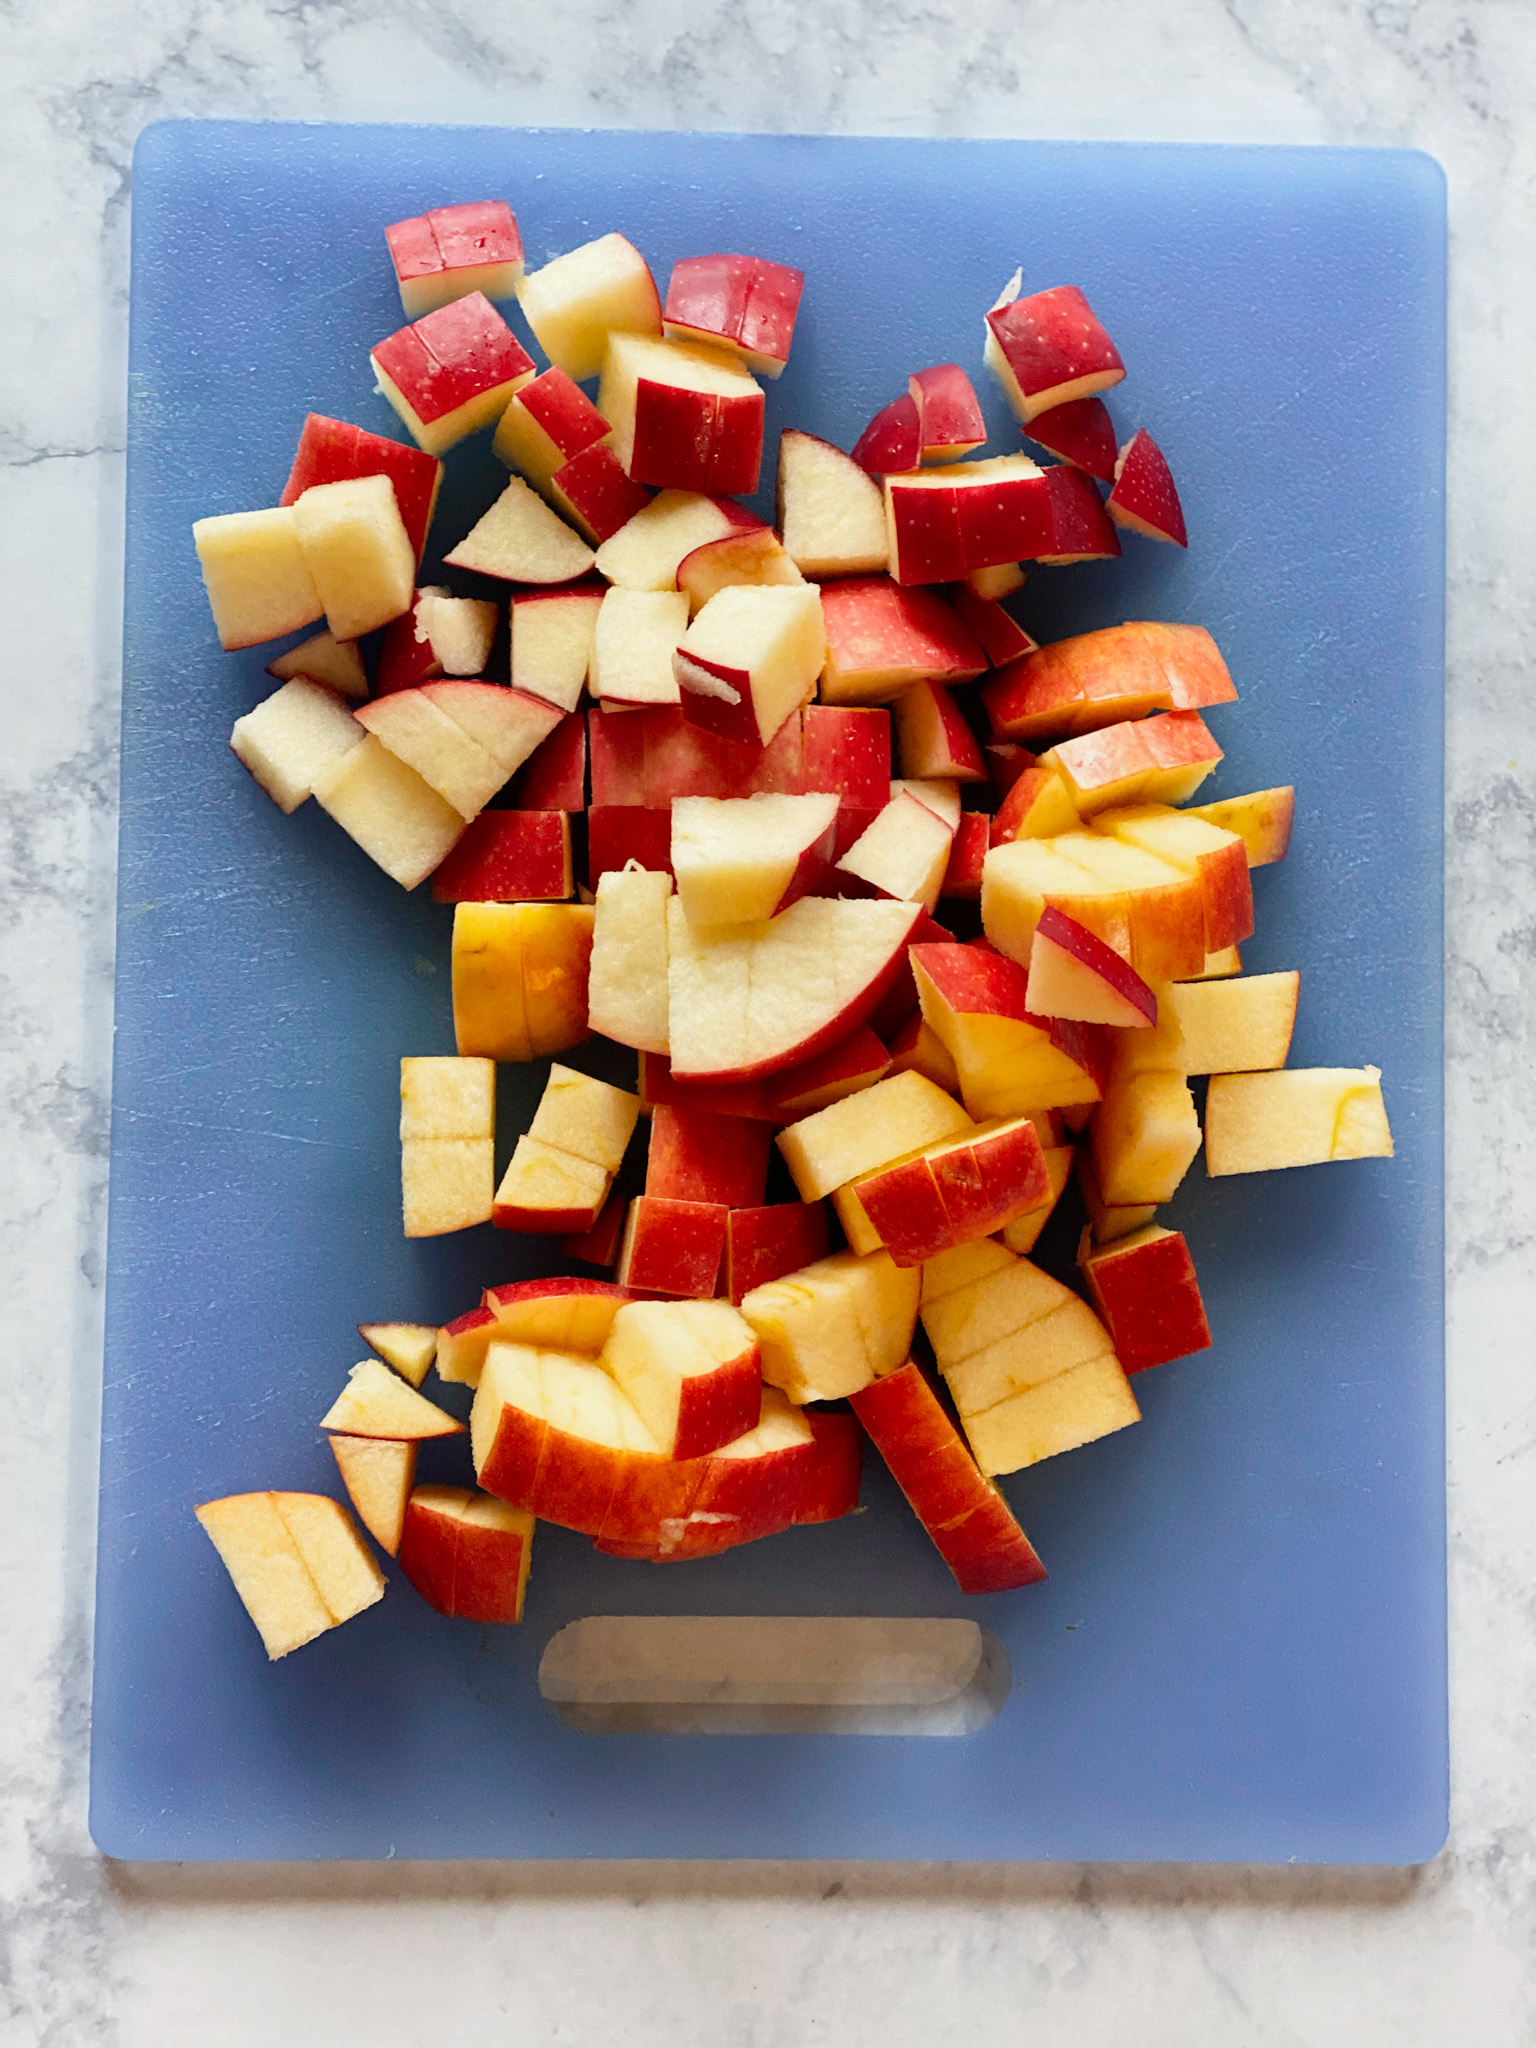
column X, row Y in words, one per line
column 691, row 1370
column 647, row 550
column 750, row 659
column 258, row 1545
column 1036, row 806
column 893, row 440
column 508, row 724
column 829, row 511
column 509, row 857
column 855, row 1063
column 520, row 978
column 636, row 638
column 1217, row 858
column 742, row 860
column 1144, row 497
column 683, row 417
column 293, row 738
column 765, row 1243
column 744, row 304
column 967, row 858
column 521, row 541
column 932, row 738
column 334, row 1554
column 1144, row 1138
column 556, row 1313
column 1009, row 1059
column 833, row 1326
column 950, row 421
column 748, row 1489
column 1096, row 679
column 627, row 990
column 972, row 1527
column 321, row 659
column 672, row 1247
column 1080, row 432
column 961, row 1188
column 1022, row 1234
column 941, row 524
column 376, row 1403
column 331, row 450
column 1048, row 349
column 553, row 1435
column 751, row 1000
column 439, row 750
column 1262, row 820
column 452, row 372
column 881, row 640
column 451, row 251
column 698, row 1155
column 258, row 583
column 1305, row 1116
column 398, row 820
column 447, row 1127
column 1071, row 1408
column 1074, row 974
column 575, row 303
column 756, row 556
column 408, row 1348
column 554, row 777
column 1144, row 1287
column 359, row 553
column 832, row 1484
column 1239, row 1026
column 904, row 854
column 466, row 1554
column 378, row 1475
column 851, row 1138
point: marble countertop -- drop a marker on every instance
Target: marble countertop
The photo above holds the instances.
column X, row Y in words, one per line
column 754, row 1954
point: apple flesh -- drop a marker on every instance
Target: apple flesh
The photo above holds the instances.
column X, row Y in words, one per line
column 743, row 304
column 698, row 1155
column 1107, row 1221
column 521, row 540
column 1022, row 1233
column 647, row 551
column 949, row 417
column 1074, row 974
column 893, row 440
column 932, row 738
column 330, row 451
column 452, row 372
column 941, row 524
column 627, row 989
column 851, row 1138
column 1162, row 759
column 520, row 978
column 509, row 857
column 296, row 1562
column 1145, row 1290
column 904, row 854
column 336, row 664
column 378, row 1475
column 376, row 1403
column 830, row 512
column 1262, row 820
column 447, row 1142
column 1048, row 349
column 1217, row 858
column 396, row 817
column 578, row 301
column 1304, row 1116
column 1144, row 1137
column 756, row 556
column 742, row 860
column 408, row 1348
column 633, row 647
column 750, row 659
column 1010, row 1060
column 450, row 251
column 293, row 738
column 1144, row 497
column 563, row 1166
column 1149, row 911
column 683, row 417
column 466, row 1554
column 691, row 1370
column 831, row 1327
column 1080, row 432
column 258, row 582
column 440, row 634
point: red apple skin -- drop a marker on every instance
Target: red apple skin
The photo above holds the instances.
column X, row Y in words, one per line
column 948, row 410
column 1225, row 879
column 1148, row 1298
column 736, row 722
column 997, row 632
column 893, row 440
column 962, row 878
column 575, row 1481
column 760, row 1495
column 848, row 751
column 1008, row 520
column 714, row 1408
column 698, row 1155
column 461, row 1344
column 837, row 1467
column 595, row 495
column 333, row 451
column 1145, row 497
column 454, row 238
column 598, row 1246
column 1080, row 432
column 508, row 857
column 657, row 1084
column 1051, row 341
column 557, row 403
column 428, row 1541
column 651, row 1495
column 543, row 1222
column 929, row 544
column 463, row 1569
column 900, row 1000
column 511, row 1467
column 648, row 757
column 1081, row 530
column 404, row 661
column 924, row 1206
column 1006, row 761
column 855, row 1062
column 513, row 1298
column 976, row 980
column 554, row 776
column 696, row 440
column 616, row 749
column 673, row 1247
column 450, row 356
column 765, row 1243
column 970, row 1523
column 740, row 300
column 933, row 740
column 875, row 624
column 620, row 833
column 1056, row 928
column 1168, row 739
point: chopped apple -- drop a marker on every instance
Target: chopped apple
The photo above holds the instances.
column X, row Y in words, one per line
column 742, row 860
column 960, row 1188
column 440, row 635
column 466, row 1554
column 933, row 739
column 646, row 552
column 1010, row 1061
column 632, row 650
column 378, row 1474
column 882, row 640
column 331, row 450
column 258, row 583
column 996, row 631
column 832, row 1484
column 409, row 1348
column 1261, row 820
column 1236, row 1027
column 941, row 796
column 691, row 1370
column 548, row 1192
column 1081, row 530
column 554, row 1435
column 556, row 1313
column 1217, row 858
column 451, row 251
column 321, row 659
column 1037, row 806
column 750, row 659
column 683, row 417
column 741, row 303
column 672, row 1247
column 1108, row 1222
column 1144, row 1137
column 335, row 1556
column 972, row 1527
column 967, row 858
column 1304, row 1116
column 848, row 752
column 419, row 732
column 1144, row 1288
column 556, row 436
column 452, row 372
column 835, row 1325
column 1074, row 974
column 1093, row 680
column 1077, row 1406
column 398, row 819
column 830, row 512
column 376, row 1403
column 575, row 303
column 855, row 1063
column 520, row 978
column 949, row 416
column 627, row 991
column 698, row 1155
column 893, row 440
column 447, row 1129
column 1162, row 759
column 627, row 836
column 509, row 857
column 293, row 1590
column 357, row 549
column 1080, row 432
column 522, row 541
column 765, row 1243
column 599, row 1246
column 1145, row 908
column 756, row 556
column 944, row 523
column 1048, row 349
column 904, row 854
column 293, row 738
column 850, row 1138
column 1023, row 1232
column 1144, row 497
column 554, row 777
column 918, row 1049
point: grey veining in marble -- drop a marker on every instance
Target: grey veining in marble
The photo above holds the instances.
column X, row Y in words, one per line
column 759, row 1955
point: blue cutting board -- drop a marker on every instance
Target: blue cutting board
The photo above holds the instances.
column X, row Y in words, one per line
column 1240, row 1653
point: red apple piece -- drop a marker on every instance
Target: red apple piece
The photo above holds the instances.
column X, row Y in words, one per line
column 1074, row 974
column 691, row 1369
column 1144, row 497
column 452, row 372
column 1048, row 349
column 450, row 251
column 741, row 303
column 1145, row 1290
column 1080, row 432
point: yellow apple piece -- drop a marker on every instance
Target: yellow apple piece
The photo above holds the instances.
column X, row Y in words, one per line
column 1262, row 820
column 852, row 1137
column 293, row 738
column 835, row 1325
column 520, row 978
column 447, row 1143
column 1303, row 1116
column 258, row 582
column 322, row 659
column 257, row 1536
column 579, row 299
column 1070, row 1409
column 1144, row 1137
column 408, row 1347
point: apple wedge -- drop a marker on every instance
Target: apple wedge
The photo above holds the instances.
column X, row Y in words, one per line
column 750, row 659
column 1217, row 858
column 882, row 640
column 691, row 1369
column 1081, row 432
column 1081, row 530
column 407, row 1348
column 1162, row 759
column 1144, row 497
column 904, row 854
column 832, row 1484
column 855, row 1063
column 893, row 440
column 520, row 540
column 949, row 416
column 296, row 1562
column 743, row 860
column 376, row 1403
column 1262, row 820
column 830, row 512
column 1074, row 974
column 337, row 664
column 396, row 817
column 932, row 738
column 943, row 524
column 378, row 1475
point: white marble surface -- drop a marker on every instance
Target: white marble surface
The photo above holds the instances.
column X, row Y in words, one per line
column 757, row 1955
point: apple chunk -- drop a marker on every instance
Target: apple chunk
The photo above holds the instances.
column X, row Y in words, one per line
column 691, row 1368
column 1074, row 974
column 378, row 1474
column 1144, row 497
column 1303, row 1116
column 904, row 854
column 750, row 659
column 741, row 860
column 258, row 583
column 450, row 251
column 627, row 995
column 397, row 818
column 832, row 1327
column 522, row 541
column 883, row 640
column 296, row 1562
column 850, row 1138
column 577, row 301
column 1145, row 1289
column 1009, row 1059
column 520, row 978
column 699, row 1155
column 963, row 1188
column 452, row 372
column 292, row 738
column 741, row 303
column 1144, row 1136
column 949, row 418
column 447, row 1132
column 466, row 1554
column 407, row 1347
column 1262, row 820
column 375, row 1403
column 634, row 645
column 830, row 512
column 1048, row 349
column 683, row 417
column 359, row 553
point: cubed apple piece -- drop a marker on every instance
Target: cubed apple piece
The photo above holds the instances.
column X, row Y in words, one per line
column 1262, row 820
column 408, row 1348
column 1081, row 530
column 438, row 749
column 932, row 737
column 683, row 417
column 548, row 1192
column 700, row 1156
column 962, row 1188
column 259, row 584
column 520, row 978
column 944, row 523
column 749, row 1488
column 1071, row 1408
column 855, row 1063
column 1144, row 1138
column 1037, row 805
column 1048, row 349
column 672, row 1247
column 440, row 635
column 848, row 752
column 509, row 857
column 1162, row 759
column 633, row 646
column 556, row 1313
column 1009, row 1060
column 851, row 1138
column 941, row 796
column 1304, row 1116
column 466, row 1554
column 627, row 991
column 972, row 1527
column 577, row 301
column 377, row 1403
column 830, row 511
column 835, row 1325
column 1080, row 432
column 1074, row 974
column 883, row 640
column 1144, row 497
column 450, row 251
column 1107, row 1221
column 598, row 1246
column 750, row 659
column 547, row 421
column 751, row 558
column 893, row 440
column 357, row 550
column 832, row 1484
column 904, row 854
column 296, row 1562
column 1216, row 857
column 522, row 541
column 691, row 1369
column 330, row 451
column 293, row 738
column 967, row 857
column 378, row 1474
column 588, row 1118
column 918, row 1049
column 1022, row 1234
column 1150, row 912
column 396, row 817
column 745, row 1001
column 551, row 648
column 743, row 860
column 996, row 631
column 336, row 664
column 743, row 304
column 646, row 552
column 1144, row 1288
column 1239, row 1026
column 949, row 417
column 447, row 1130
column 554, row 1435
column 765, row 1243
column 554, row 777
column 452, row 372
